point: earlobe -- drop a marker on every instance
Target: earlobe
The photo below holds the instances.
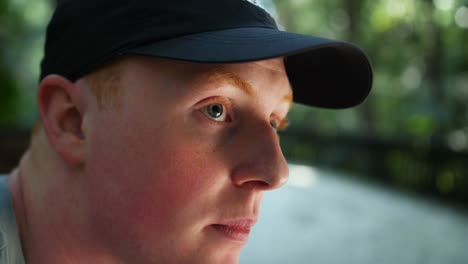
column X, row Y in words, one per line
column 59, row 106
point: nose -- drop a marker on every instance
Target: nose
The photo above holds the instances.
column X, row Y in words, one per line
column 260, row 163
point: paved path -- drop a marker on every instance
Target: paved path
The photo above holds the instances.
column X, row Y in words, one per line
column 322, row 218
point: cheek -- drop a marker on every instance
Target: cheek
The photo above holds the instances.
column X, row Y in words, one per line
column 148, row 183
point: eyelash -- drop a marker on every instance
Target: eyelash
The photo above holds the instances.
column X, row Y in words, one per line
column 218, row 100
column 281, row 124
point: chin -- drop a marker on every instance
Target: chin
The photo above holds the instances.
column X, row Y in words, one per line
column 230, row 258
column 225, row 256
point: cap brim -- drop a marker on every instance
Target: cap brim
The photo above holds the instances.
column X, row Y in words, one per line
column 323, row 72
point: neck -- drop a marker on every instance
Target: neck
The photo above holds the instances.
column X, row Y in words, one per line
column 49, row 203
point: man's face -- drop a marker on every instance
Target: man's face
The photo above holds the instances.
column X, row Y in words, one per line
column 176, row 173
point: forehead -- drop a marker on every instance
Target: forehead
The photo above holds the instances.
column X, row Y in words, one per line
column 251, row 77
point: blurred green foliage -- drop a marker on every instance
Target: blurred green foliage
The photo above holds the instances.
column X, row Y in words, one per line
column 419, row 52
column 22, row 27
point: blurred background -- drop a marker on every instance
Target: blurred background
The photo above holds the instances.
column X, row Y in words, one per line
column 383, row 182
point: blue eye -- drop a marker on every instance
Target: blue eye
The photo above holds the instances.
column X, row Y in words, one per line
column 216, row 112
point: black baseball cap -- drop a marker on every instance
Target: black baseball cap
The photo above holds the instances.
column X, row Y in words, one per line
column 84, row 35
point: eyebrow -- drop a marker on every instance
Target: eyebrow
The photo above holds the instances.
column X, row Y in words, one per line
column 231, row 78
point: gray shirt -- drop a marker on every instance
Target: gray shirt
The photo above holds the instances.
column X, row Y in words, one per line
column 10, row 245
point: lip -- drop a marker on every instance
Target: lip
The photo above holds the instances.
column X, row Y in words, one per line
column 235, row 230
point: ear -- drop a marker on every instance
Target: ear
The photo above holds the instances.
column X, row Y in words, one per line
column 59, row 104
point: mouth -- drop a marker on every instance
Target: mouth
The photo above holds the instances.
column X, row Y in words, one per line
column 237, row 230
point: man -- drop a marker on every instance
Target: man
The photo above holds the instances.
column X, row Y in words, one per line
column 158, row 129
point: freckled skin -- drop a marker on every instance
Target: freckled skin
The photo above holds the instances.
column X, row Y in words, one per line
column 159, row 172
